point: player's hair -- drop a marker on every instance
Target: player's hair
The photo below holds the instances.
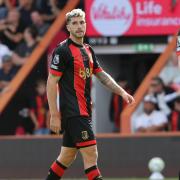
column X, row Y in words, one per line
column 74, row 13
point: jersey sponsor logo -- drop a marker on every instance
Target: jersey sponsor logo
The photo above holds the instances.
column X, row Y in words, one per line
column 56, row 59
column 54, row 66
column 84, row 135
column 85, row 73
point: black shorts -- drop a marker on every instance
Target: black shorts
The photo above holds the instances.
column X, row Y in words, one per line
column 78, row 132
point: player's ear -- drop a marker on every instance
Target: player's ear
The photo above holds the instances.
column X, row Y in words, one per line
column 67, row 26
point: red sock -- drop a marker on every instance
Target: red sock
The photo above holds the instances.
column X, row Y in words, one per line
column 93, row 173
column 56, row 171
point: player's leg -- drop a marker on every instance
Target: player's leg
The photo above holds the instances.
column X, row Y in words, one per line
column 64, row 160
column 90, row 155
column 66, row 157
column 83, row 136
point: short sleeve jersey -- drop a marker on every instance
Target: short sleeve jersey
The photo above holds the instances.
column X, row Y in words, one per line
column 75, row 64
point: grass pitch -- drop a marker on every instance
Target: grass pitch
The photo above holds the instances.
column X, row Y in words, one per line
column 103, row 179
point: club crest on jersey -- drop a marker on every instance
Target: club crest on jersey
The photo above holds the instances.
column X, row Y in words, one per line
column 56, row 59
column 84, row 135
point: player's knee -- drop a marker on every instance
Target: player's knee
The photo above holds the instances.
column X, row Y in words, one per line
column 93, row 156
column 90, row 154
column 67, row 158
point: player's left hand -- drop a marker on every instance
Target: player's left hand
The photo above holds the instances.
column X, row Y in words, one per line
column 128, row 98
column 55, row 123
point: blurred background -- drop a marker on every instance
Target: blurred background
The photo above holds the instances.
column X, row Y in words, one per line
column 135, row 42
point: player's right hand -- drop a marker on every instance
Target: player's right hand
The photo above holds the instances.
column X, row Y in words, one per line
column 55, row 123
column 128, row 98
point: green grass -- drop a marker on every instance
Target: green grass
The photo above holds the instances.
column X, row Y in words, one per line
column 137, row 179
column 125, row 179
column 103, row 179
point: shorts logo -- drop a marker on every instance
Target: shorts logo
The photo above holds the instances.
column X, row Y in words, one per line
column 56, row 59
column 84, row 135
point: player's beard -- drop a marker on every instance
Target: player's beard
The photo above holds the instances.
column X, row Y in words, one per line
column 78, row 35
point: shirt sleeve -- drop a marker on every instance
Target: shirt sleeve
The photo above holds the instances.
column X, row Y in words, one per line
column 96, row 66
column 58, row 62
column 178, row 44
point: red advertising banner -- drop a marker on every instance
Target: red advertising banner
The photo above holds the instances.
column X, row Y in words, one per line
column 132, row 17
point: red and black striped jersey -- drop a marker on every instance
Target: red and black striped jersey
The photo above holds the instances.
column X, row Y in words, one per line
column 178, row 44
column 75, row 64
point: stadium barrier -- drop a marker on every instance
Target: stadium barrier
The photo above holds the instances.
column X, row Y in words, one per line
column 119, row 155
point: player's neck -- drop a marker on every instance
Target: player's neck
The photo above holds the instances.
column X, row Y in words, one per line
column 77, row 40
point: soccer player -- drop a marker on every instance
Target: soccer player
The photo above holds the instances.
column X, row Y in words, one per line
column 72, row 66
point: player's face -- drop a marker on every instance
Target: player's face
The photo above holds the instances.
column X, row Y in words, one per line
column 77, row 27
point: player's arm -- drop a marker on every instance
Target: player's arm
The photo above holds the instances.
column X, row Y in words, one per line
column 111, row 84
column 56, row 69
column 55, row 124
